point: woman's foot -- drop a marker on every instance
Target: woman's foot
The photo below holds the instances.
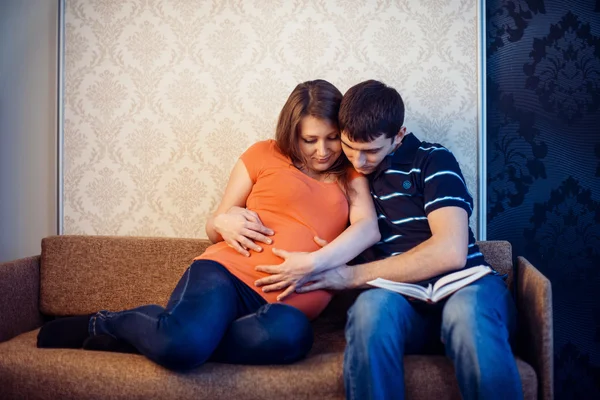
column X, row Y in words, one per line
column 64, row 333
column 108, row 343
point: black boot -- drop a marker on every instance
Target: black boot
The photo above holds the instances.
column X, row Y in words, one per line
column 108, row 343
column 64, row 333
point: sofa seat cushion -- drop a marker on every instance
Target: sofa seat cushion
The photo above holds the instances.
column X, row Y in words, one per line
column 32, row 373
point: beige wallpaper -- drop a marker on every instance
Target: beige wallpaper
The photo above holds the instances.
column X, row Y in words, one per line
column 161, row 97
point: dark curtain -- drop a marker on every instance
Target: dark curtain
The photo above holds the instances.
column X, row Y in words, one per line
column 543, row 164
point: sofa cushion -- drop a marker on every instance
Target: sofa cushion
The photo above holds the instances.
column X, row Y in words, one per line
column 83, row 274
column 32, row 373
column 499, row 254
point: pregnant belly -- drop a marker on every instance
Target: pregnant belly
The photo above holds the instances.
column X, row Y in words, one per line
column 288, row 236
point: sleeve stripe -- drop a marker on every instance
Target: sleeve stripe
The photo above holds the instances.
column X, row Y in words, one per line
column 448, row 198
column 432, row 148
column 392, row 238
column 474, row 255
column 389, row 196
column 430, row 177
column 402, row 221
column 395, row 171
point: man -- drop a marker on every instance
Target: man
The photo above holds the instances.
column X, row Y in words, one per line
column 424, row 207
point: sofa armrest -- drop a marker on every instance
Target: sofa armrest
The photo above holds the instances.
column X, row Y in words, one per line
column 19, row 297
column 534, row 302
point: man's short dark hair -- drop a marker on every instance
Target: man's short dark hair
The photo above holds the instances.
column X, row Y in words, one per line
column 369, row 110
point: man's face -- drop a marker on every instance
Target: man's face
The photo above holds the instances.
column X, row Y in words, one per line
column 365, row 157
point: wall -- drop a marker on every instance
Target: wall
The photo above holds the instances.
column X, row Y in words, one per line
column 543, row 63
column 163, row 96
column 28, row 48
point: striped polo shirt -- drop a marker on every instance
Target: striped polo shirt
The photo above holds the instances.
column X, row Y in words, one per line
column 410, row 183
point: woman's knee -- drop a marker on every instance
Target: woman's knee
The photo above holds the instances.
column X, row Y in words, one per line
column 179, row 353
column 288, row 330
column 176, row 345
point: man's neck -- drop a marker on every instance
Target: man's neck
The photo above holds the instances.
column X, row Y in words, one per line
column 397, row 146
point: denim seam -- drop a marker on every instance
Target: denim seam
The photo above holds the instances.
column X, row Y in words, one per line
column 95, row 318
column 187, row 280
column 137, row 313
column 352, row 384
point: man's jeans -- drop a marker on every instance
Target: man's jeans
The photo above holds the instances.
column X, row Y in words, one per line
column 475, row 324
column 211, row 315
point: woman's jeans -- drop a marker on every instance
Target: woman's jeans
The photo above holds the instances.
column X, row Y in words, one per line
column 213, row 315
column 475, row 325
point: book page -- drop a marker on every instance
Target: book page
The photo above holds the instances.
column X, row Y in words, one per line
column 459, row 275
column 452, row 287
column 407, row 289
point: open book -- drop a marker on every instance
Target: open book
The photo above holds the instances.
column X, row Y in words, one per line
column 442, row 288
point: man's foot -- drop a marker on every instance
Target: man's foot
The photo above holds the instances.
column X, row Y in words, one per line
column 108, row 343
column 64, row 333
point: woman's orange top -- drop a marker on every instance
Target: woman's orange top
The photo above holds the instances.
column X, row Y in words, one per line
column 297, row 208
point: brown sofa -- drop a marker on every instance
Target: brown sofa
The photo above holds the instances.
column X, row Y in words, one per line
column 81, row 274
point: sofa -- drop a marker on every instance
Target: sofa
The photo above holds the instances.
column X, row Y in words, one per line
column 81, row 274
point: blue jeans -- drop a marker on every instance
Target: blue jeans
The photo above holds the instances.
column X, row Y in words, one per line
column 475, row 325
column 213, row 315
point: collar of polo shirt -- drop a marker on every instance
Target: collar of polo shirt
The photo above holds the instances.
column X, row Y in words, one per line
column 404, row 154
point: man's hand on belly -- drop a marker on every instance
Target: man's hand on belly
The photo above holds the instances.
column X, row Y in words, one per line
column 292, row 273
column 333, row 279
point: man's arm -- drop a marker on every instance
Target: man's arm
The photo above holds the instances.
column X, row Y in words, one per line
column 447, row 204
column 299, row 266
column 445, row 251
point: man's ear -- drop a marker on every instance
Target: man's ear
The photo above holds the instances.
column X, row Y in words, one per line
column 400, row 135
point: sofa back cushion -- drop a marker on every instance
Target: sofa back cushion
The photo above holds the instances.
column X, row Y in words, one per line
column 83, row 274
column 499, row 254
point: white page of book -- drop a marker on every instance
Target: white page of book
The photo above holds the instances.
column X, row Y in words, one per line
column 406, row 289
column 459, row 275
column 458, row 284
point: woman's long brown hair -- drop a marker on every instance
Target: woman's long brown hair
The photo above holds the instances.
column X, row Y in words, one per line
column 318, row 99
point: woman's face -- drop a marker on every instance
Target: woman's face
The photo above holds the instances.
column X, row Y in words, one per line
column 319, row 142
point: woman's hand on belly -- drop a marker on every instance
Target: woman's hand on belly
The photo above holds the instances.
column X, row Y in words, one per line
column 292, row 273
column 240, row 228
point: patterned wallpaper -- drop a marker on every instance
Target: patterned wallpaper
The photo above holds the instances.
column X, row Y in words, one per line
column 543, row 183
column 161, row 97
